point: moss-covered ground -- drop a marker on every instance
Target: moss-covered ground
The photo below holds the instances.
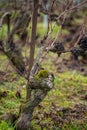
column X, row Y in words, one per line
column 65, row 106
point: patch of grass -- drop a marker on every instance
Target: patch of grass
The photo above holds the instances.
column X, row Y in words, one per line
column 3, row 32
column 35, row 126
column 5, row 126
column 9, row 104
column 42, row 31
column 65, row 93
column 2, row 57
column 72, row 127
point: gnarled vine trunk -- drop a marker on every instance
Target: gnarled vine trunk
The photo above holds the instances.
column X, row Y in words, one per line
column 41, row 86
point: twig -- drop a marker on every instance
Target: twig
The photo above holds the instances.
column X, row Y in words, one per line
column 34, row 27
column 2, row 18
column 62, row 14
column 80, row 35
column 36, row 62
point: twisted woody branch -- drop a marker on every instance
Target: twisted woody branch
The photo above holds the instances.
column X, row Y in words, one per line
column 41, row 86
column 11, row 50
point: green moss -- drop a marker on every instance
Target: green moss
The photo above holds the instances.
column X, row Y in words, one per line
column 42, row 74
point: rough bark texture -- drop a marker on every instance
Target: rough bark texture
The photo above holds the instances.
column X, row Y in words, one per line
column 40, row 86
column 20, row 27
column 14, row 55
